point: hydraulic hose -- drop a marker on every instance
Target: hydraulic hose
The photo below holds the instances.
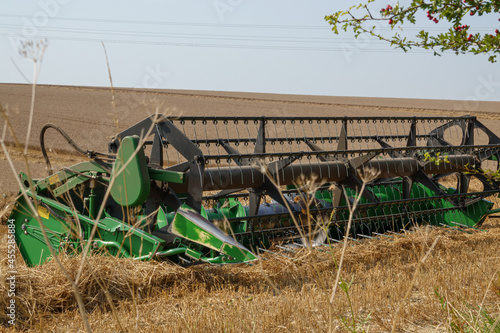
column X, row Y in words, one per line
column 88, row 153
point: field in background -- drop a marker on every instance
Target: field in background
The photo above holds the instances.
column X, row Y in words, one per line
column 89, row 117
column 288, row 291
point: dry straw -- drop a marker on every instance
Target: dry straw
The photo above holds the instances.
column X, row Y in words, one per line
column 381, row 271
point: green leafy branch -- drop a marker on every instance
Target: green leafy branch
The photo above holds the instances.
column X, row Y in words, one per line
column 490, row 175
column 458, row 37
column 436, row 158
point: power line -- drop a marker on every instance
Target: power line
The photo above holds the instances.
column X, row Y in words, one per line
column 346, row 44
column 195, row 36
column 189, row 24
column 284, row 39
column 304, row 39
column 219, row 25
column 205, row 45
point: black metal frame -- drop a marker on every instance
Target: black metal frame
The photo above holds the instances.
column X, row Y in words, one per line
column 341, row 165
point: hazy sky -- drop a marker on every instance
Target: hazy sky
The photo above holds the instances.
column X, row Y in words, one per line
column 232, row 45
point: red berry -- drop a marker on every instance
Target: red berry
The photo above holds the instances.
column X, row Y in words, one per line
column 435, row 20
column 470, row 37
column 497, row 31
column 390, row 21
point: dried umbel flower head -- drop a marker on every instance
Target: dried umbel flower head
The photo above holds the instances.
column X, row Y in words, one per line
column 259, row 164
column 368, row 174
column 33, row 51
column 309, row 184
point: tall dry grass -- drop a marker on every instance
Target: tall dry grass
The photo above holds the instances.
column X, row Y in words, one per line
column 277, row 294
column 34, row 52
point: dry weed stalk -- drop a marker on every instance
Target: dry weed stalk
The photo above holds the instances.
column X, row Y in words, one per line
column 34, row 52
column 265, row 171
column 113, row 102
column 31, row 206
column 367, row 175
column 108, row 193
column 412, row 283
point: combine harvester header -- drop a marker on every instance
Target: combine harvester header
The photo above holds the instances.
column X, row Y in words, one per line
column 223, row 189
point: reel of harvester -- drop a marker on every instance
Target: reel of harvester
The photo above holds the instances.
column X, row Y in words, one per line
column 222, row 189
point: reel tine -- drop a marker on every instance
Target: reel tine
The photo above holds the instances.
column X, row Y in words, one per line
column 285, row 248
column 275, row 253
column 334, row 240
column 365, row 236
column 383, row 235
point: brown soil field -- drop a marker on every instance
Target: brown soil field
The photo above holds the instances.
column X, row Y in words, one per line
column 386, row 279
column 91, row 119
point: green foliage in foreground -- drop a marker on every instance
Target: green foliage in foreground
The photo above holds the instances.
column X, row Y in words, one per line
column 474, row 319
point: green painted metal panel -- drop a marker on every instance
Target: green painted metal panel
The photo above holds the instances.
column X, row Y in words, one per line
column 70, row 184
column 113, row 236
column 167, row 176
column 192, row 226
column 62, row 175
column 29, row 235
column 132, row 185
